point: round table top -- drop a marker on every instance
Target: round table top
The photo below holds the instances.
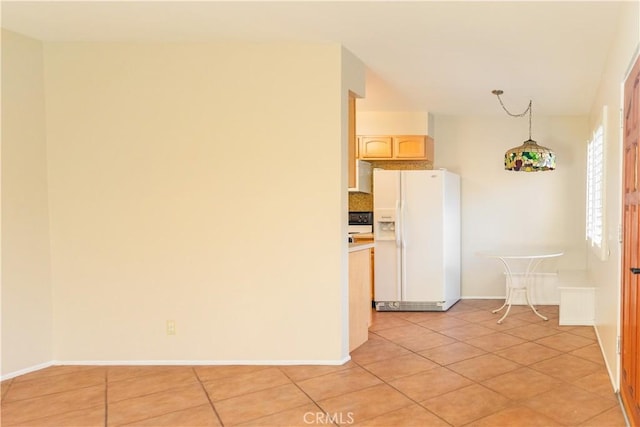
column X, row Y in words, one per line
column 521, row 253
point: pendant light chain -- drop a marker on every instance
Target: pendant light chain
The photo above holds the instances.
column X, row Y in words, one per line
column 528, row 157
column 528, row 110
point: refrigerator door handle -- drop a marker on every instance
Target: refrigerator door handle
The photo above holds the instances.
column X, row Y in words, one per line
column 403, row 258
column 403, row 238
column 398, row 230
column 398, row 224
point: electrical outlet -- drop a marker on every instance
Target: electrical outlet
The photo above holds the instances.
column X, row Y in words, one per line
column 171, row 327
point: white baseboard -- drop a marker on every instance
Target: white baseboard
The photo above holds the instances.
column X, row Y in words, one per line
column 201, row 362
column 612, row 377
column 544, row 289
column 516, row 301
column 172, row 363
column 27, row 370
column 543, row 292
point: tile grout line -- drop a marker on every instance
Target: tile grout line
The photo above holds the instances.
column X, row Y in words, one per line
column 510, row 403
column 400, row 391
column 191, row 368
column 557, row 332
column 215, row 411
column 579, row 385
column 534, row 341
column 52, row 393
column 106, row 396
column 304, row 392
column 4, row 393
column 51, row 415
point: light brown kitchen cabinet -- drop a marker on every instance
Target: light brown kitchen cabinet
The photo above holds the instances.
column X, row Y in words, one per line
column 396, row 147
column 359, row 297
column 410, row 147
column 376, row 147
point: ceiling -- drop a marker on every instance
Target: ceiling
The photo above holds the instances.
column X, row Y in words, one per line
column 443, row 57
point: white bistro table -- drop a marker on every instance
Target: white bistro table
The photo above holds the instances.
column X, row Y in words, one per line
column 533, row 257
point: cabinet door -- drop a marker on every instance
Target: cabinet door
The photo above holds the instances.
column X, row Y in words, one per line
column 376, row 147
column 359, row 302
column 409, row 147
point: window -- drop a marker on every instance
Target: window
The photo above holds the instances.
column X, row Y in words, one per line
column 595, row 189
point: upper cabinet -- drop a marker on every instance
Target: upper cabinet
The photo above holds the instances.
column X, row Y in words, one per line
column 375, row 147
column 396, row 147
column 413, row 147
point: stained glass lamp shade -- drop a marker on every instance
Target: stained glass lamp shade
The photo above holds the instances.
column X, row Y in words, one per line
column 530, row 157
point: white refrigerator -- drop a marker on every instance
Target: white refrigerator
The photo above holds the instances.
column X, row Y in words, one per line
column 416, row 217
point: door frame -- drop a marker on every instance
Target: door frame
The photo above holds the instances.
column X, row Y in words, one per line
column 620, row 277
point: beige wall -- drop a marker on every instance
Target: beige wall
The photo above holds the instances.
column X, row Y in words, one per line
column 394, row 122
column 26, row 275
column 606, row 273
column 173, row 171
column 503, row 208
column 352, row 81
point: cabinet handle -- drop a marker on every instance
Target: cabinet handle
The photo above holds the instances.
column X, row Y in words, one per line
column 635, row 270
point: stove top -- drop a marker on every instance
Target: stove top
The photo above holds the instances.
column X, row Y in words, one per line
column 360, row 222
column 360, row 218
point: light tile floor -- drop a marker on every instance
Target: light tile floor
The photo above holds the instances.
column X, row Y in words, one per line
column 456, row 368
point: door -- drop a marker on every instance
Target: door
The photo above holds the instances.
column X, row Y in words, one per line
column 629, row 381
column 422, row 235
column 386, row 197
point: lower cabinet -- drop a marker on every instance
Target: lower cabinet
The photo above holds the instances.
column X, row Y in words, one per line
column 359, row 297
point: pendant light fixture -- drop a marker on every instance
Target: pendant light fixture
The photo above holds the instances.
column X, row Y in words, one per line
column 528, row 157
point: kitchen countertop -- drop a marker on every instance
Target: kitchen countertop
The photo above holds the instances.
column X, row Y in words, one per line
column 360, row 246
column 362, row 236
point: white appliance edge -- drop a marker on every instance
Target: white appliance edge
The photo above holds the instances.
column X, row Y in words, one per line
column 417, row 235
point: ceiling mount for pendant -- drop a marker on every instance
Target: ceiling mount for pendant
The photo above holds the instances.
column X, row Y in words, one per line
column 528, row 157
